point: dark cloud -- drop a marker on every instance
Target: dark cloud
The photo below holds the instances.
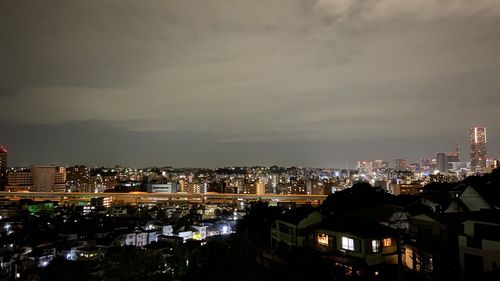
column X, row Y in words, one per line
column 247, row 75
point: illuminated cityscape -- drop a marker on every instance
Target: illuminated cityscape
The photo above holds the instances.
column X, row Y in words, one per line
column 244, row 140
column 168, row 209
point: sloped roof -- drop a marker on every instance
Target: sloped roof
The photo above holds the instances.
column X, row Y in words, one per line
column 296, row 215
column 379, row 213
column 473, row 200
column 358, row 226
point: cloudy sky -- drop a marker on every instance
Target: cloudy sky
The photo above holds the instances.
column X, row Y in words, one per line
column 245, row 82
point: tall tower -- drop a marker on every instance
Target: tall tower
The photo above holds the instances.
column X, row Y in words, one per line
column 478, row 148
column 3, row 160
column 3, row 166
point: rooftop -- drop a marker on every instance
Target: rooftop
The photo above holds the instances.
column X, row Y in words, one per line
column 358, row 226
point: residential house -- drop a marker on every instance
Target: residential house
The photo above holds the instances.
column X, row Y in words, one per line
column 359, row 245
column 470, row 200
column 292, row 230
column 479, row 245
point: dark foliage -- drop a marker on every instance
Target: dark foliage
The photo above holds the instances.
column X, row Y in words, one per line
column 133, row 264
column 359, row 196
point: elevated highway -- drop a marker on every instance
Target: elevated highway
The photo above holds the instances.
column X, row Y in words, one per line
column 143, row 197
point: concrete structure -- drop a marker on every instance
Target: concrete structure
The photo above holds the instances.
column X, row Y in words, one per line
column 169, row 187
column 48, row 178
column 143, row 197
column 19, row 181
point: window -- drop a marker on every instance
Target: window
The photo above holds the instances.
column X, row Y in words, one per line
column 387, row 242
column 322, row 239
column 375, row 246
column 347, row 243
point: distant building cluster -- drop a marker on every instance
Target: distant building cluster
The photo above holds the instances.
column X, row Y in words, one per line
column 414, row 221
column 402, row 178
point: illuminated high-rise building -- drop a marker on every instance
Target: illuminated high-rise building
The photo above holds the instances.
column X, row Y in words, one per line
column 442, row 163
column 364, row 167
column 78, row 178
column 261, row 187
column 380, row 166
column 400, row 164
column 3, row 166
column 19, row 181
column 454, row 156
column 3, row 160
column 478, row 152
column 48, row 178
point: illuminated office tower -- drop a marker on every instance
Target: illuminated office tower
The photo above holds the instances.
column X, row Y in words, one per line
column 478, row 148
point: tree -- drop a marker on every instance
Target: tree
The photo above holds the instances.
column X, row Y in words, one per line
column 133, row 264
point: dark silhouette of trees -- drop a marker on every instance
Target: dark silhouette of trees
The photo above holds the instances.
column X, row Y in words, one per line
column 133, row 264
column 359, row 196
column 256, row 225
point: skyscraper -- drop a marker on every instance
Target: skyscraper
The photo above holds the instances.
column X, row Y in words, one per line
column 3, row 167
column 442, row 163
column 3, row 161
column 454, row 156
column 478, row 148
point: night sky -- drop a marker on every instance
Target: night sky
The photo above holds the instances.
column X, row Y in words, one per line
column 209, row 83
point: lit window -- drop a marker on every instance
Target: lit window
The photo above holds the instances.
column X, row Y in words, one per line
column 347, row 243
column 375, row 246
column 322, row 239
column 387, row 242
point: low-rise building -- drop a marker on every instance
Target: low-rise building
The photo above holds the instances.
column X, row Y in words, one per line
column 360, row 246
column 479, row 245
column 291, row 230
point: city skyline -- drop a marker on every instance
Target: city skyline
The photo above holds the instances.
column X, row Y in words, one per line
column 455, row 151
column 219, row 83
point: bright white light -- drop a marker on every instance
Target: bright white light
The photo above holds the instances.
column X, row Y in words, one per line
column 224, row 229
